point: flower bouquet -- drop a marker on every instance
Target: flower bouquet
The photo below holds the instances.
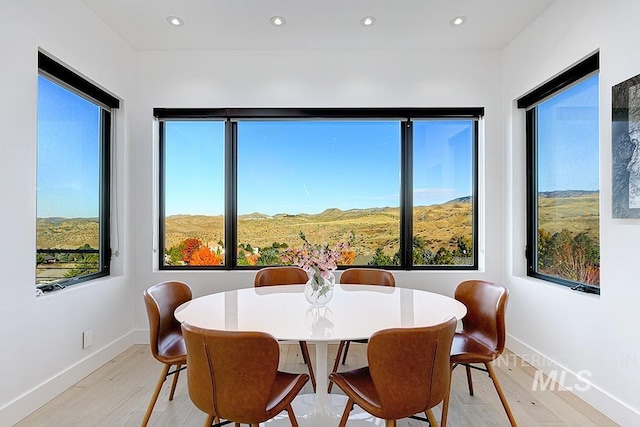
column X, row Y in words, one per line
column 319, row 261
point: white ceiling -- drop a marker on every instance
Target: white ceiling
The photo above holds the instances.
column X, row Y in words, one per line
column 317, row 25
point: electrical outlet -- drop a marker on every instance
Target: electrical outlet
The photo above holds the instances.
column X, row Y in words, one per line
column 87, row 338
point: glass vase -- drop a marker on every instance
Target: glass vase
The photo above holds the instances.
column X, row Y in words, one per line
column 319, row 290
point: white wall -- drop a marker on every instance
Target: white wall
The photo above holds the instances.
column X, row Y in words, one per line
column 554, row 326
column 41, row 352
column 314, row 79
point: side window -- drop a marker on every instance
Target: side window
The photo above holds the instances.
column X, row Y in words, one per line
column 563, row 244
column 72, row 195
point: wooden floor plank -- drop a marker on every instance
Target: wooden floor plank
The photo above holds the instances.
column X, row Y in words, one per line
column 118, row 393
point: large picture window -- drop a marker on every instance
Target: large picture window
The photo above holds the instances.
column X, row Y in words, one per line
column 563, row 179
column 391, row 188
column 73, row 192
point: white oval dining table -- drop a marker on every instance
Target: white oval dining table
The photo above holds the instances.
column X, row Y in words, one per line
column 354, row 312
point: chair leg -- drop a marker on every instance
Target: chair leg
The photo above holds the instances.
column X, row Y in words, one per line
column 305, row 355
column 431, row 418
column 503, row 399
column 445, row 402
column 345, row 414
column 156, row 393
column 336, row 363
column 469, row 380
column 346, row 350
column 304, row 351
column 445, row 409
column 292, row 416
column 174, row 382
column 389, row 423
column 209, row 421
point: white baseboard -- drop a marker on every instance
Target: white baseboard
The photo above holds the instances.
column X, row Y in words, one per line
column 140, row 336
column 578, row 384
column 33, row 399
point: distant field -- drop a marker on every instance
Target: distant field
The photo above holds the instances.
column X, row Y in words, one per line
column 67, row 233
column 558, row 213
column 367, row 228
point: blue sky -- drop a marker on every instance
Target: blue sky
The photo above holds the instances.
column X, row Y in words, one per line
column 68, row 153
column 307, row 167
column 568, row 139
column 303, row 167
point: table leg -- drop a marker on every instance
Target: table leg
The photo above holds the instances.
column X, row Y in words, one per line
column 321, row 413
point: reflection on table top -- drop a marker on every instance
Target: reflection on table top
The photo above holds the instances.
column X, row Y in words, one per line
column 354, row 312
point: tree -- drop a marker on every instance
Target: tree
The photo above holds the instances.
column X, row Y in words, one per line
column 463, row 246
column 190, row 246
column 575, row 258
column 379, row 258
column 269, row 256
column 85, row 263
column 174, row 254
column 421, row 254
column 242, row 259
column 347, row 256
column 204, row 256
column 443, row 257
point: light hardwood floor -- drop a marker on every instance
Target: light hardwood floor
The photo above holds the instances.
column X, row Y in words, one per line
column 118, row 393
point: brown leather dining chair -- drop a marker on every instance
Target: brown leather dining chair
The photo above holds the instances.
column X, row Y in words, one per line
column 483, row 333
column 233, row 375
column 360, row 276
column 287, row 275
column 409, row 372
column 165, row 336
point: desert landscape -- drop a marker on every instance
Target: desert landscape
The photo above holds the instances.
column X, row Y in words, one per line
column 436, row 227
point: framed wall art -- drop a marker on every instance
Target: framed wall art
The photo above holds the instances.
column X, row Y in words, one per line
column 625, row 141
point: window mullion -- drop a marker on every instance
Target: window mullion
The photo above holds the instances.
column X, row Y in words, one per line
column 231, row 193
column 406, row 200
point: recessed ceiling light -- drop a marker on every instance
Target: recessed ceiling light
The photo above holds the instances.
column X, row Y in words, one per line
column 368, row 21
column 278, row 21
column 458, row 20
column 175, row 21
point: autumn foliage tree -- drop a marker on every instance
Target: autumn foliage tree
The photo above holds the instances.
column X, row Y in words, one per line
column 204, row 256
column 190, row 246
column 573, row 257
column 347, row 256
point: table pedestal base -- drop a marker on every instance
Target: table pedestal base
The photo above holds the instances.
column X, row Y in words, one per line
column 309, row 415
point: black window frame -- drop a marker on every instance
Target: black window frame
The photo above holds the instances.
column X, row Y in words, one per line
column 232, row 115
column 59, row 74
column 580, row 71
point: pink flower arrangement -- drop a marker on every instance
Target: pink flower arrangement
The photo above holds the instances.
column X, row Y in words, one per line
column 318, row 260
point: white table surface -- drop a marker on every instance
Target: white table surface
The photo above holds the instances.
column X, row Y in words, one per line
column 354, row 312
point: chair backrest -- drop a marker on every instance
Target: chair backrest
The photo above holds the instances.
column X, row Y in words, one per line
column 486, row 305
column 240, row 368
column 367, row 276
column 286, row 275
column 410, row 367
column 198, row 375
column 161, row 300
